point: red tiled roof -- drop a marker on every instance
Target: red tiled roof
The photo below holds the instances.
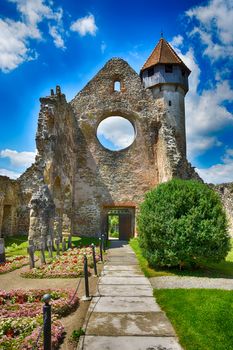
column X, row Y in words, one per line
column 163, row 53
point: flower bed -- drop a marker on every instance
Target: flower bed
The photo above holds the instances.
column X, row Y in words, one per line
column 16, row 303
column 22, row 333
column 21, row 316
column 67, row 265
column 13, row 264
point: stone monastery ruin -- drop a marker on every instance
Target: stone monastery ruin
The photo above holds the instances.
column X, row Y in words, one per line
column 75, row 182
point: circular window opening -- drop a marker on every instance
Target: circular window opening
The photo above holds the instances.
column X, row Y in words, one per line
column 116, row 133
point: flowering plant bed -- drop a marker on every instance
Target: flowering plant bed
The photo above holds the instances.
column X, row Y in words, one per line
column 21, row 316
column 67, row 265
column 17, row 303
column 13, row 264
column 22, row 333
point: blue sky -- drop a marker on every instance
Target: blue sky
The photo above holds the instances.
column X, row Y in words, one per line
column 44, row 43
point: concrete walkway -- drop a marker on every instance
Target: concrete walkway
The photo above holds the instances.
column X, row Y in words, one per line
column 123, row 314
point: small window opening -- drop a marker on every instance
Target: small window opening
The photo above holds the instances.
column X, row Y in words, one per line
column 169, row 103
column 150, row 72
column 117, row 86
column 183, row 72
column 168, row 68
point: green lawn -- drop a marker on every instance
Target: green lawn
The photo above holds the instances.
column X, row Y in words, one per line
column 222, row 269
column 203, row 319
column 17, row 245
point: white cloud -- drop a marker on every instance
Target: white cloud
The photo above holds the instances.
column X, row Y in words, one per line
column 11, row 174
column 13, row 44
column 206, row 115
column 221, row 172
column 18, row 159
column 15, row 36
column 58, row 40
column 177, row 40
column 214, row 27
column 117, row 130
column 85, row 25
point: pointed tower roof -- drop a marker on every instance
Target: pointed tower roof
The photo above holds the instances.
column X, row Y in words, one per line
column 163, row 53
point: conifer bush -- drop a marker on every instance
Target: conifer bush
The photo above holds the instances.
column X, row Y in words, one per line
column 182, row 222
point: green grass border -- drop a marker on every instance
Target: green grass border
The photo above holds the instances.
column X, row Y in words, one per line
column 223, row 269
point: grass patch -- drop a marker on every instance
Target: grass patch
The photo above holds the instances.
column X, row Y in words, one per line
column 146, row 269
column 17, row 245
column 203, row 319
column 206, row 269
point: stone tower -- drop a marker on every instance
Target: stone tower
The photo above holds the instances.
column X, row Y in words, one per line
column 166, row 76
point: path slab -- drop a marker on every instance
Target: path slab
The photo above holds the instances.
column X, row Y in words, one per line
column 138, row 324
column 121, row 261
column 121, row 267
column 124, row 314
column 121, row 273
column 128, row 343
column 124, row 304
column 124, row 280
column 130, row 291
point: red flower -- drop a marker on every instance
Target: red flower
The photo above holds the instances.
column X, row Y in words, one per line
column 10, row 333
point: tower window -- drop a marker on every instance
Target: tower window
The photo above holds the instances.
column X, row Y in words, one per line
column 183, row 72
column 168, row 68
column 150, row 72
column 117, row 85
column 169, row 103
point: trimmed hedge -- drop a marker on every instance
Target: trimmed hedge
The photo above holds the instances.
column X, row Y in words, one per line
column 182, row 222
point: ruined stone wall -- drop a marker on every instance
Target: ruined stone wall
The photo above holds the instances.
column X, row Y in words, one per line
column 225, row 191
column 105, row 178
column 75, row 179
column 56, row 156
column 9, row 205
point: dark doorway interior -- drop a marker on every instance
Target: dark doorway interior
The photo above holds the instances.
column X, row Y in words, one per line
column 120, row 223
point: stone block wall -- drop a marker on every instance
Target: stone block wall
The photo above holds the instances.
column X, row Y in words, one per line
column 225, row 191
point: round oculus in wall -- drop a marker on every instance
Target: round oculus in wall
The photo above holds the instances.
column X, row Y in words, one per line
column 116, row 133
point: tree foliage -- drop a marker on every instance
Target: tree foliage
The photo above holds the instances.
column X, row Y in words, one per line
column 182, row 222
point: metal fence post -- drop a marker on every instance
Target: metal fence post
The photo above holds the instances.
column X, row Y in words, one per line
column 103, row 242
column 64, row 245
column 85, row 269
column 70, row 241
column 57, row 242
column 101, row 251
column 50, row 247
column 2, row 251
column 47, row 322
column 94, row 259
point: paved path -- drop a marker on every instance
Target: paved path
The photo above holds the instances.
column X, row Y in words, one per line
column 123, row 314
column 171, row 282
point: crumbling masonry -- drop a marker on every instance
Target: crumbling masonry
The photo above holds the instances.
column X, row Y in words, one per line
column 75, row 181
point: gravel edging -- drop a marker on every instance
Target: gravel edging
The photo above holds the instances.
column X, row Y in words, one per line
column 174, row 282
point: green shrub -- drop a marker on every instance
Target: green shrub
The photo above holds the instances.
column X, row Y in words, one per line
column 182, row 222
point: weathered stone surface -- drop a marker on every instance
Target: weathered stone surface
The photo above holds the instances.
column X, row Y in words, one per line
column 124, row 304
column 128, row 343
column 83, row 178
column 124, row 280
column 125, row 290
column 41, row 215
column 132, row 323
